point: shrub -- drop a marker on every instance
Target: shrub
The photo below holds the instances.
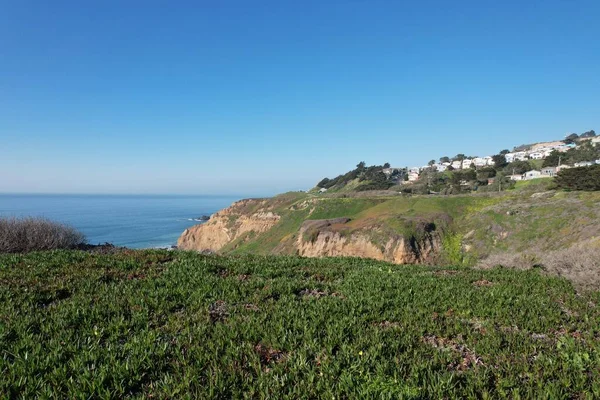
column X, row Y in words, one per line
column 18, row 235
column 580, row 264
column 582, row 178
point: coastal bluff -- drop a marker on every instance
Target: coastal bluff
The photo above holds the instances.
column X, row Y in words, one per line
column 284, row 226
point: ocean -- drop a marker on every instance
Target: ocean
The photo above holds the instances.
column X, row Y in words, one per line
column 135, row 221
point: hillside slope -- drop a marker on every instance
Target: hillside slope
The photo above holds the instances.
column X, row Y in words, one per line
column 165, row 325
column 404, row 229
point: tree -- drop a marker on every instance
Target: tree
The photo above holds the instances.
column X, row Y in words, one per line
column 583, row 178
column 431, row 163
column 588, row 134
column 444, row 159
column 504, row 152
column 361, row 165
column 386, row 165
column 459, row 157
column 571, row 138
column 553, row 159
column 517, row 167
column 323, row 183
column 499, row 161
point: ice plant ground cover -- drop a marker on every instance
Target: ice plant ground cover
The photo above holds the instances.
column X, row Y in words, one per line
column 160, row 324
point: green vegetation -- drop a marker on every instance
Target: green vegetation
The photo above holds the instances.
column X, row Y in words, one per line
column 159, row 324
column 368, row 178
column 585, row 151
column 582, row 178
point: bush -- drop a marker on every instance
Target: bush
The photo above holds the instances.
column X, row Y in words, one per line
column 582, row 178
column 580, row 263
column 18, row 235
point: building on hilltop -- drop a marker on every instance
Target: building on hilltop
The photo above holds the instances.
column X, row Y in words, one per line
column 583, row 164
column 549, row 171
column 535, row 174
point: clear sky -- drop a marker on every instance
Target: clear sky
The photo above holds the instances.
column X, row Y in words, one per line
column 258, row 97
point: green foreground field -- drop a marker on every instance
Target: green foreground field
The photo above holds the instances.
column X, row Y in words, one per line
column 159, row 324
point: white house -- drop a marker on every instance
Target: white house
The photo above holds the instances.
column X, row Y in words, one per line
column 516, row 177
column 480, row 161
column 440, row 167
column 467, row 163
column 518, row 156
column 414, row 170
column 532, row 175
column 583, row 164
column 596, row 139
column 413, row 176
column 536, row 155
column 457, row 164
column 549, row 171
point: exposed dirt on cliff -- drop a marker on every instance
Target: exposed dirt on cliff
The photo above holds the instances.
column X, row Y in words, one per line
column 328, row 238
column 243, row 217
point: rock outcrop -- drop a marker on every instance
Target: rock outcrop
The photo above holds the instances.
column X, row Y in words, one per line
column 323, row 239
column 247, row 219
column 242, row 217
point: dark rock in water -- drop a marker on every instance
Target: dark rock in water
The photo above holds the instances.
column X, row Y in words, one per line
column 203, row 218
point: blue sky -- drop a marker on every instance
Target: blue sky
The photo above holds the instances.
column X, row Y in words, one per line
column 266, row 96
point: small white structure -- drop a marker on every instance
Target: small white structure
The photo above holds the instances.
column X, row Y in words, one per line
column 518, row 156
column 413, row 176
column 457, row 164
column 537, row 155
column 390, row 171
column 535, row 174
column 549, row 171
column 322, row 190
column 516, row 177
column 467, row 163
column 482, row 161
column 440, row 167
column 583, row 164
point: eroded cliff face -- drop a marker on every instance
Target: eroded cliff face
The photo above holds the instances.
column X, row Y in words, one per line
column 227, row 225
column 246, row 219
column 325, row 241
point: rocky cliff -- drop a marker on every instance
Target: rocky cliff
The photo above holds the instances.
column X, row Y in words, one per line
column 323, row 238
column 245, row 221
column 242, row 218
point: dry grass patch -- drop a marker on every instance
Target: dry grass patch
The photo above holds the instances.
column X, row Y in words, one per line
column 580, row 264
column 468, row 358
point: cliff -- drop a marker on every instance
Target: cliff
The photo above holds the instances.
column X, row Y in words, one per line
column 291, row 225
column 323, row 238
column 457, row 230
column 243, row 217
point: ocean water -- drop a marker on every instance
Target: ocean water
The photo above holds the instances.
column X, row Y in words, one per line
column 134, row 221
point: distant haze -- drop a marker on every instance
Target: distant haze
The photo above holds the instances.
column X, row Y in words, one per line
column 262, row 97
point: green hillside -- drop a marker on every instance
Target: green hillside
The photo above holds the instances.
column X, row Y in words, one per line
column 527, row 219
column 159, row 324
